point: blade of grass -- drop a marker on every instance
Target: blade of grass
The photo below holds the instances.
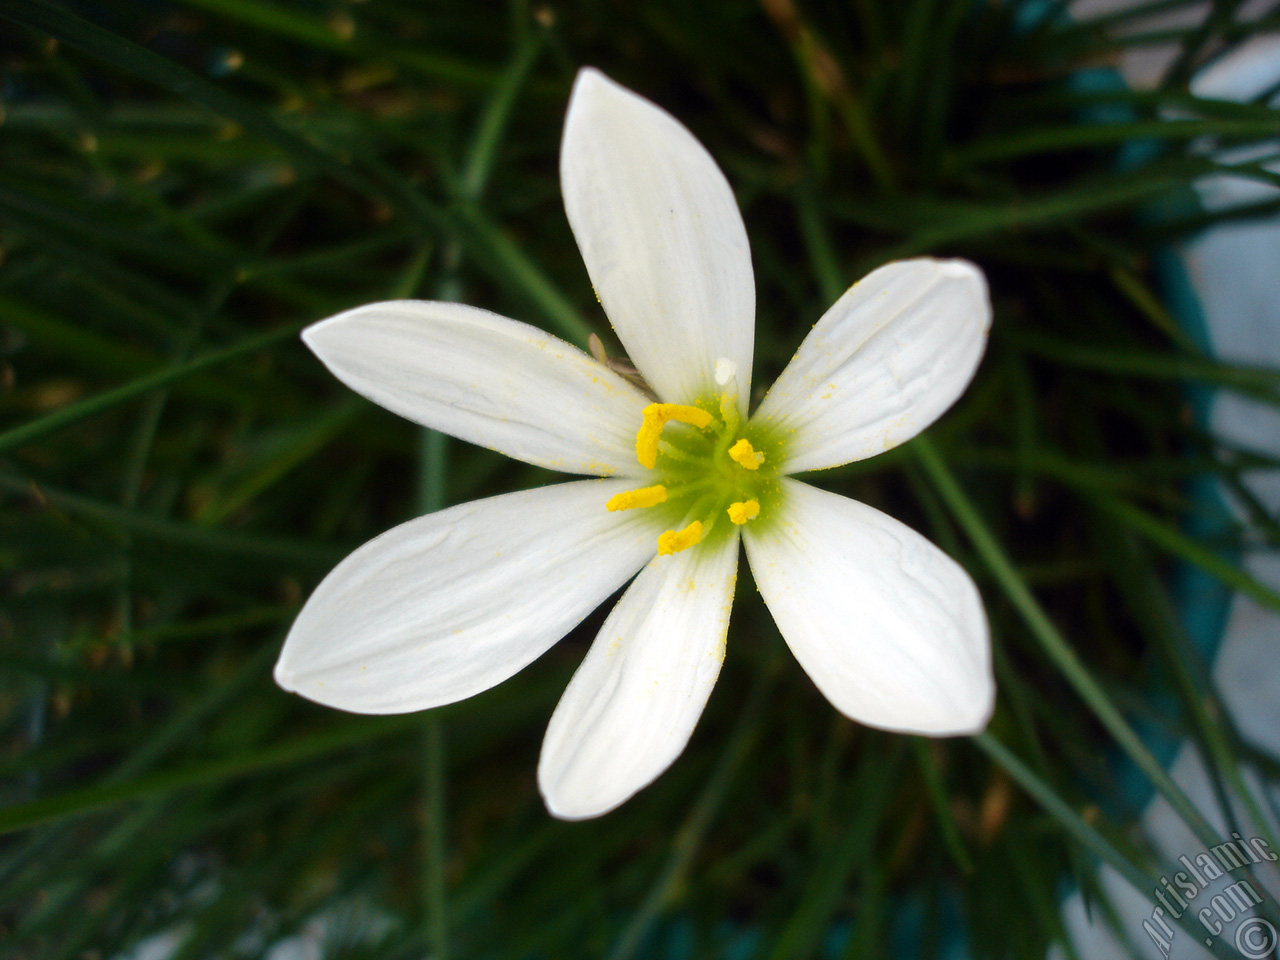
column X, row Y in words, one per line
column 116, row 50
column 869, row 794
column 1081, row 136
column 1084, row 834
column 176, row 534
column 994, row 558
column 927, row 764
column 80, row 801
column 1220, row 16
column 1213, row 730
column 1260, row 382
column 688, row 838
column 514, row 266
column 82, row 409
column 314, row 32
column 1051, row 641
column 1169, row 538
column 283, row 458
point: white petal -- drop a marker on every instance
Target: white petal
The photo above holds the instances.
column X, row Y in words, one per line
column 632, row 705
column 486, row 379
column 662, row 238
column 888, row 626
column 447, row 605
column 883, row 363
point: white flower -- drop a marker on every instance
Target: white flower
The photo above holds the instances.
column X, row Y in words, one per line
column 890, row 629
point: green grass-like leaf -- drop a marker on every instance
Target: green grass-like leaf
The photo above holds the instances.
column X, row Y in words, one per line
column 185, row 186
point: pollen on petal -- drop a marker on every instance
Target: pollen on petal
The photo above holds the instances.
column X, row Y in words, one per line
column 643, row 497
column 673, row 541
column 746, row 455
column 740, row 513
column 656, row 416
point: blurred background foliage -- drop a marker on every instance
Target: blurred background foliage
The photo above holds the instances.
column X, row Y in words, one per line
column 184, row 184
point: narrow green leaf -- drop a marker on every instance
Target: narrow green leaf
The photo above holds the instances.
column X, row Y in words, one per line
column 1051, row 641
column 83, row 800
column 1169, row 538
column 176, row 534
column 82, row 409
column 1080, row 136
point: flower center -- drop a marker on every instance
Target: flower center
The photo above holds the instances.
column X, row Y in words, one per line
column 710, row 467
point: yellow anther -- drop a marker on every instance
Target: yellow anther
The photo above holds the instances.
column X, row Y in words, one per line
column 644, row 497
column 656, row 416
column 673, row 541
column 746, row 455
column 740, row 513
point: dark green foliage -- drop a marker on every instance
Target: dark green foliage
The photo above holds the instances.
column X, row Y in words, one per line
column 184, row 185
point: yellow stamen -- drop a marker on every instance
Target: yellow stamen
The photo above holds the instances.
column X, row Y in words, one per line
column 656, row 416
column 740, row 513
column 644, row 497
column 746, row 455
column 674, row 541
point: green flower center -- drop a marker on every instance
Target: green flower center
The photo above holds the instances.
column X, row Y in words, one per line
column 713, row 471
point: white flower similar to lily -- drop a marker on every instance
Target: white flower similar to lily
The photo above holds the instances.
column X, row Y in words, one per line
column 890, row 629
